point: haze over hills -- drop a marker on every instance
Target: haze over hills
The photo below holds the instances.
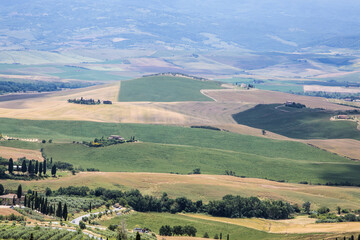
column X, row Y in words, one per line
column 204, row 38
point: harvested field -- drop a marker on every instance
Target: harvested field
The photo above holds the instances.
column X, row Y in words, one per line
column 268, row 97
column 55, row 107
column 5, row 211
column 302, row 224
column 319, row 88
column 345, row 147
column 15, row 153
column 205, row 187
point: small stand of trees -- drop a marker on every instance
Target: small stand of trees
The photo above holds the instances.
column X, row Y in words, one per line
column 84, row 101
column 178, row 231
column 41, row 204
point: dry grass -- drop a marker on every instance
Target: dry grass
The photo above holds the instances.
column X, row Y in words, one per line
column 205, row 187
column 15, row 153
column 318, row 88
column 5, row 211
column 301, row 224
column 256, row 96
column 56, row 107
column 345, row 147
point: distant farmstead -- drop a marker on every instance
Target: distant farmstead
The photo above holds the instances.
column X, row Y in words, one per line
column 343, row 117
column 116, row 137
column 107, row 102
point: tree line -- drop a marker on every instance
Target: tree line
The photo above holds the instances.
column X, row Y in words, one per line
column 32, row 167
column 229, row 206
column 38, row 86
column 187, row 230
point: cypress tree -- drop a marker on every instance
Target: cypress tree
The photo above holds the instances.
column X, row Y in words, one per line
column 59, row 210
column 2, row 190
column 44, row 167
column 19, row 191
column 228, row 237
column 14, row 201
column 53, row 170
column 11, row 166
column 31, row 168
column 138, row 236
column 65, row 212
column 90, row 207
column 220, row 235
column 23, row 167
column 46, row 207
column 36, row 167
column 40, row 169
column 25, row 201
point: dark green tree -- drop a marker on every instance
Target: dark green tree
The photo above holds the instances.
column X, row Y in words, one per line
column 59, row 210
column 178, row 230
column 19, row 191
column 11, row 166
column 40, row 168
column 44, row 166
column 14, row 201
column 220, row 235
column 36, row 167
column 216, row 236
column 165, row 231
column 2, row 190
column 190, row 231
column 228, row 237
column 90, row 207
column 31, row 169
column 24, row 167
column 82, row 225
column 138, row 236
column 338, row 208
column 206, row 235
column 65, row 212
column 25, row 201
column 306, row 207
column 53, row 170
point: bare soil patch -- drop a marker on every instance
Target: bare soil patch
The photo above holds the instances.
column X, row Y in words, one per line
column 267, row 97
column 15, row 153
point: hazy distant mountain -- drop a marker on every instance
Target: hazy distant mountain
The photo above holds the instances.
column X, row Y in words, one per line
column 263, row 25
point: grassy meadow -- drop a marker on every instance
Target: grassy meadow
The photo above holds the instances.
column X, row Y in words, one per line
column 304, row 123
column 164, row 89
column 178, row 149
column 154, row 221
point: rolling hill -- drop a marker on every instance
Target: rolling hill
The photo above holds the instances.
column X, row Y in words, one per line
column 304, row 123
column 164, row 89
column 178, row 149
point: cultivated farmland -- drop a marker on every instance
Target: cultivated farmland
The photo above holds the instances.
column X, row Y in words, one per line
column 164, row 89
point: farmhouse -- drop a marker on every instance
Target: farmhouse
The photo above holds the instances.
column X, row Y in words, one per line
column 107, row 102
column 116, row 137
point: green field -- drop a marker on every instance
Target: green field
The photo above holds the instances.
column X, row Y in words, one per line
column 154, row 221
column 304, row 123
column 178, row 149
column 164, row 89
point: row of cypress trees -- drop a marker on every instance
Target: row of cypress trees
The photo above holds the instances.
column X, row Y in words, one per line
column 42, row 205
column 33, row 168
